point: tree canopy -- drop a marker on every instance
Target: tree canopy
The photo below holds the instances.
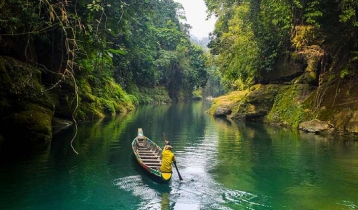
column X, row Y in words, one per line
column 138, row 43
column 252, row 35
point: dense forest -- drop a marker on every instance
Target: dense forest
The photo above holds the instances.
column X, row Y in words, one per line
column 290, row 62
column 252, row 37
column 81, row 60
column 287, row 62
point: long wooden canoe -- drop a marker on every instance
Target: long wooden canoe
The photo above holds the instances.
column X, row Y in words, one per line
column 148, row 155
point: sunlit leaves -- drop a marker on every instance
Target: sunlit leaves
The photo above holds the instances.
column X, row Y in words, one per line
column 118, row 51
column 95, row 5
column 312, row 13
column 349, row 11
column 238, row 57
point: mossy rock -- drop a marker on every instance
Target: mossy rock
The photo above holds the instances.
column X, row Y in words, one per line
column 21, row 82
column 25, row 105
column 257, row 102
column 226, row 103
column 288, row 67
column 337, row 104
column 316, row 126
column 89, row 111
column 289, row 108
column 352, row 124
column 34, row 124
column 251, row 104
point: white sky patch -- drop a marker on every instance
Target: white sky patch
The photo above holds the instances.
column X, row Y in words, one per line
column 195, row 12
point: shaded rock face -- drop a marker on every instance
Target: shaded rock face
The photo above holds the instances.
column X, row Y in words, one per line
column 327, row 109
column 288, row 68
column 222, row 112
column 252, row 106
column 316, row 92
column 26, row 111
column 337, row 104
column 257, row 103
column 289, row 107
column 352, row 124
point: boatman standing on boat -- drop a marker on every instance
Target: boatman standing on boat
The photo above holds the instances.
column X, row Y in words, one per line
column 167, row 159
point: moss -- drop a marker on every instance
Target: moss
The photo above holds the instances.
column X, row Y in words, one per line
column 338, row 104
column 36, row 123
column 24, row 103
column 102, row 98
column 89, row 111
column 107, row 106
column 232, row 99
column 288, row 108
column 21, row 83
column 306, row 35
column 80, row 115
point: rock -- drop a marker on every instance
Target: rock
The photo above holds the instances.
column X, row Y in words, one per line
column 24, row 108
column 288, row 67
column 316, row 126
column 222, row 112
column 60, row 124
column 35, row 124
column 352, row 125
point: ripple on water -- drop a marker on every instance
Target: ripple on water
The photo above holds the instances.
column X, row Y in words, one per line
column 150, row 198
column 135, row 185
column 246, row 199
column 348, row 204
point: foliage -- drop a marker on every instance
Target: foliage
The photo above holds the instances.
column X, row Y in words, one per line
column 237, row 51
column 198, row 94
column 111, row 48
column 251, row 36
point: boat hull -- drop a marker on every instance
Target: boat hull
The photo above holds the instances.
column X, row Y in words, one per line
column 148, row 155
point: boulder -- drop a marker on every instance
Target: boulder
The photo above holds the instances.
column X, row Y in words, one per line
column 316, row 126
column 222, row 111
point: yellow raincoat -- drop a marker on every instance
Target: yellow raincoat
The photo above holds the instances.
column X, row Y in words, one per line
column 167, row 159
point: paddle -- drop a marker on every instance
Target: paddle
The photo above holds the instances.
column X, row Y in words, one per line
column 175, row 164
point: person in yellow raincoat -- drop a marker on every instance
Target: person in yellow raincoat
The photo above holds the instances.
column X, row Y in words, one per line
column 167, row 159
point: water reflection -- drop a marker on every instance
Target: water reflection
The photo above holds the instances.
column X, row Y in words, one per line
column 292, row 168
column 224, row 164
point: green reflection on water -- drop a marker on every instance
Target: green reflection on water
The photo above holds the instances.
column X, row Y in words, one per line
column 224, row 164
column 290, row 169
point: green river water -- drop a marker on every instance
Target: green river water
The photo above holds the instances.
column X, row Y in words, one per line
column 224, row 165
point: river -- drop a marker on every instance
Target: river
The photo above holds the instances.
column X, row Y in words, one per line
column 224, row 165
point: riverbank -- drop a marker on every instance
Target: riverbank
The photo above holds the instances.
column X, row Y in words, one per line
column 326, row 109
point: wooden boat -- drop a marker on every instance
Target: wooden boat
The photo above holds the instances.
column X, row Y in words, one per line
column 148, row 155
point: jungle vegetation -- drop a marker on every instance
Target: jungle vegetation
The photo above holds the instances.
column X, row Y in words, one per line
column 104, row 53
column 89, row 59
column 251, row 36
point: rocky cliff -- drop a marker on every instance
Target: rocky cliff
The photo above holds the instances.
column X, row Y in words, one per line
column 312, row 90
